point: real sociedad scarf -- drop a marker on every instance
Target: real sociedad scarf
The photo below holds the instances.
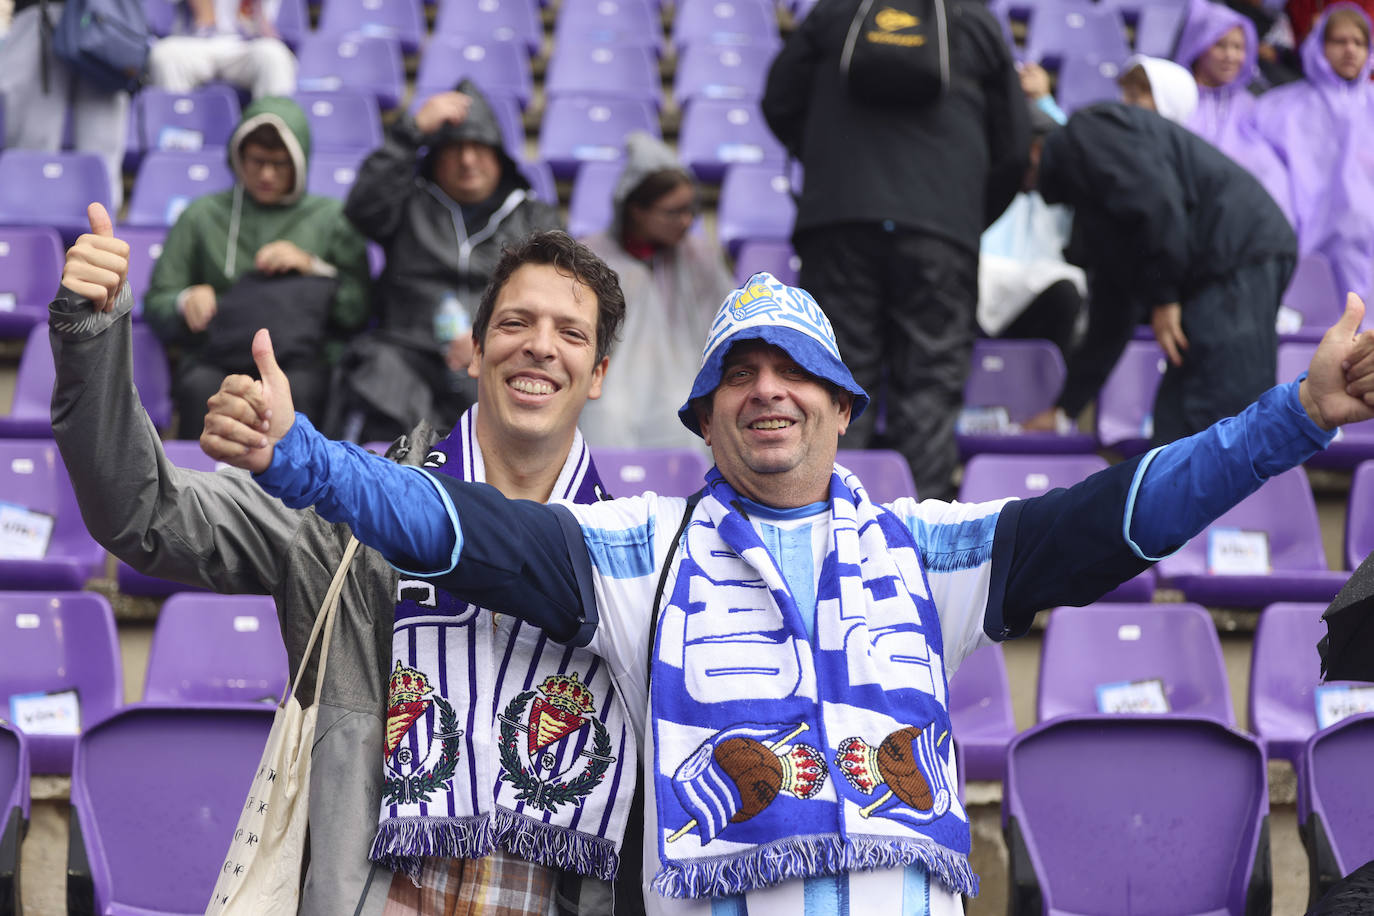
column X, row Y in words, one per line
column 777, row 757
column 495, row 734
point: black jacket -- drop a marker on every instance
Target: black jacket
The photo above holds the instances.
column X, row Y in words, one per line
column 948, row 168
column 1156, row 207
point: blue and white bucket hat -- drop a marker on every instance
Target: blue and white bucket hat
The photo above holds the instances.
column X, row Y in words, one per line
column 786, row 317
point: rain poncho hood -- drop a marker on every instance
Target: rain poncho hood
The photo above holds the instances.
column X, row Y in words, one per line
column 645, row 155
column 1173, row 87
column 1206, row 22
column 291, row 124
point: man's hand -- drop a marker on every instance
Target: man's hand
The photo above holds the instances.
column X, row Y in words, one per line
column 1341, row 374
column 1167, row 322
column 247, row 417
column 1035, row 82
column 98, row 264
column 281, row 257
column 441, row 109
column 199, row 306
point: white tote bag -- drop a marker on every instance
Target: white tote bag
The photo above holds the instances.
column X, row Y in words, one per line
column 261, row 874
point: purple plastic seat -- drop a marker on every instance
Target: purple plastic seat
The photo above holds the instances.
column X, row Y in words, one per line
column 54, row 642
column 333, row 174
column 1312, row 293
column 885, row 473
column 499, row 67
column 581, row 69
column 712, row 72
column 618, row 23
column 1336, row 802
column 1284, row 510
column 145, row 247
column 370, row 64
column 719, row 133
column 751, row 24
column 777, row 258
column 201, row 119
column 184, row 453
column 1136, row 814
column 989, row 477
column 578, row 130
column 540, row 177
column 124, row 801
column 51, row 189
column 755, row 205
column 210, row 648
column 980, row 712
column 1284, row 671
column 161, row 16
column 292, row 22
column 14, row 811
column 33, row 477
column 1359, row 519
column 1125, row 405
column 665, row 471
column 1023, row 377
column 1354, row 442
column 590, row 209
column 503, row 20
column 1156, row 29
column 31, row 262
column 1075, row 28
column 1085, row 648
column 344, row 120
column 1083, row 81
column 400, row 20
column 169, row 180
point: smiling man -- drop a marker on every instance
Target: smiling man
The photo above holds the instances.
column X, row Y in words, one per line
column 461, row 749
column 796, row 735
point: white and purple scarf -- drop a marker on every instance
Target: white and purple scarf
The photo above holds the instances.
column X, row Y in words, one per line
column 497, row 736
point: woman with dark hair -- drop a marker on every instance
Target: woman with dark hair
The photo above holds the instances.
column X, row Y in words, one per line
column 674, row 280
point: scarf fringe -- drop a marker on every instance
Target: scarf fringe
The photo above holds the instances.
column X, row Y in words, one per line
column 804, row 857
column 555, row 846
column 402, row 842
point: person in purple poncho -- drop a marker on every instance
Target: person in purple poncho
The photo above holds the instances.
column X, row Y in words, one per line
column 1221, row 48
column 1323, row 130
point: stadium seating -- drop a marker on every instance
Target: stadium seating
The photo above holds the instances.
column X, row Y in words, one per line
column 342, row 121
column 719, row 133
column 145, row 247
column 503, row 20
column 1312, row 294
column 1136, row 814
column 1336, row 802
column 755, row 205
column 1156, row 29
column 169, row 180
column 202, row 119
column 333, row 174
column 748, row 24
column 497, row 67
column 58, row 642
column 776, row 258
column 216, row 649
column 578, row 130
column 609, row 23
column 31, row 261
column 14, row 812
column 885, row 473
column 1075, row 28
column 1125, row 406
column 51, row 189
column 981, row 714
column 292, row 22
column 34, row 480
column 667, row 472
column 1009, row 382
column 541, row 180
column 369, row 64
column 400, row 20
column 1083, row 81
column 591, row 209
column 1359, row 519
column 597, row 71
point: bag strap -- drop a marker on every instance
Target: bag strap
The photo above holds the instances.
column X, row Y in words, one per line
column 324, row 621
column 663, row 576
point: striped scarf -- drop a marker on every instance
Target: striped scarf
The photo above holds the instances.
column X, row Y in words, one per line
column 496, row 736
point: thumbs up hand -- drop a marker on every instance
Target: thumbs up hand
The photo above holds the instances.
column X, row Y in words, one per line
column 247, row 416
column 98, row 264
column 1339, row 377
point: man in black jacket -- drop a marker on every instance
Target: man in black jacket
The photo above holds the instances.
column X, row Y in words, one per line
column 895, row 198
column 1170, row 228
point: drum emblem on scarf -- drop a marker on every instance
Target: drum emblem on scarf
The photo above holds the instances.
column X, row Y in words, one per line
column 558, row 731
column 909, row 762
column 409, row 780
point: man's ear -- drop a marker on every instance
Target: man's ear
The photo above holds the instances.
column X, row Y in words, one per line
column 475, row 364
column 598, row 376
column 844, row 403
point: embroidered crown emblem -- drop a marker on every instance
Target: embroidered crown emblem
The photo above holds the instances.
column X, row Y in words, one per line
column 408, row 685
column 568, row 693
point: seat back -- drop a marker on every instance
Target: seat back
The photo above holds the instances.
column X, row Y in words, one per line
column 52, row 642
column 1087, row 648
column 168, row 180
column 626, row 23
column 503, row 20
column 774, row 257
column 591, row 207
column 1156, row 30
column 333, row 174
column 125, row 798
column 402, row 21
column 1024, row 376
column 755, row 205
column 706, row 71
column 587, row 70
column 988, row 477
column 145, row 247
column 1085, row 80
column 885, row 473
column 719, row 133
column 342, row 121
column 1138, row 814
column 577, row 130
column 1359, row 519
column 1335, row 785
column 211, row 648
column 1125, row 406
column 751, row 24
column 1312, row 293
column 980, row 712
column 1284, row 666
column 202, row 119
column 33, row 477
column 665, row 471
column 51, row 189
column 542, row 184
column 1067, row 28
column 501, row 67
column 367, row 63
column 31, row 262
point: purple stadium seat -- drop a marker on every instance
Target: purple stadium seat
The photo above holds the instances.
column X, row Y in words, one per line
column 587, row 70
column 31, row 262
column 718, row 133
column 371, row 64
column 777, row 258
column 711, row 72
column 30, row 415
column 540, row 177
column 1125, row 405
column 497, row 67
column 981, row 714
column 1354, row 442
column 1284, row 511
column 590, row 208
column 1336, row 802
column 1359, row 519
column 57, row 642
column 751, row 24
column 211, row 648
column 169, row 180
column 14, row 811
column 292, row 22
column 333, row 174
column 51, row 189
column 1083, row 81
column 755, row 205
column 1137, row 814
column 503, row 20
column 401, row 20
column 1022, row 377
column 885, row 473
column 123, row 802
column 161, row 16
column 1313, row 295
column 184, row 453
column 344, row 120
column 1284, row 671
column 989, row 477
column 201, row 119
column 33, row 477
column 619, row 23
column 578, row 130
column 1156, row 30
column 145, row 247
column 1075, row 28
column 1088, row 647
column 665, row 471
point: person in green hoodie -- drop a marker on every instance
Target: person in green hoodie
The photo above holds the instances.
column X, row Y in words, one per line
column 263, row 253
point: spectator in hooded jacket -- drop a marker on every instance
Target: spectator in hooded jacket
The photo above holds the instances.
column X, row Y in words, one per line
column 442, row 196
column 1323, row 130
column 266, row 225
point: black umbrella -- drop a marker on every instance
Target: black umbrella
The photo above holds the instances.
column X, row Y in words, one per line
column 1347, row 650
